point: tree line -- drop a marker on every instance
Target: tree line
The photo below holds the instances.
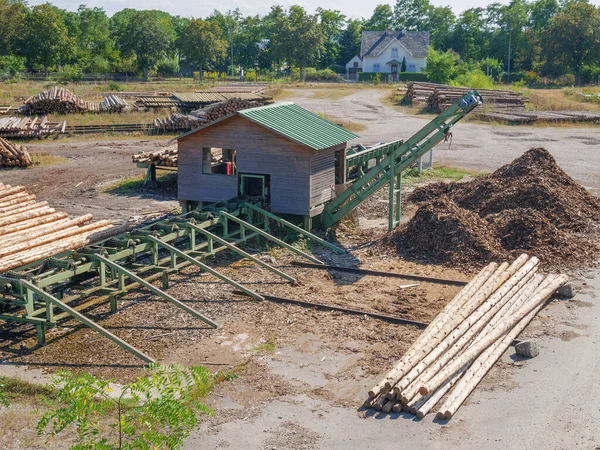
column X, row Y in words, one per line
column 531, row 39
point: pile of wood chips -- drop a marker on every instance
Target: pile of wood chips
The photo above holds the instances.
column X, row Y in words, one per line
column 464, row 341
column 528, row 205
column 13, row 155
column 32, row 231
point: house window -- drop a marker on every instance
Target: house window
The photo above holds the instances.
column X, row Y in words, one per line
column 376, row 67
column 394, row 52
column 355, row 64
column 412, row 68
column 219, row 161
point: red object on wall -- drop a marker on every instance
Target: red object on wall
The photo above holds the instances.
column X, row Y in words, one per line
column 229, row 168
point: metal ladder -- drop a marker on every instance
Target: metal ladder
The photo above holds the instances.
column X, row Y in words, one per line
column 392, row 159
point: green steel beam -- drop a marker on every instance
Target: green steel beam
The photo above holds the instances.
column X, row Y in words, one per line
column 270, row 237
column 400, row 157
column 204, row 267
column 239, row 251
column 81, row 318
column 123, row 271
column 295, row 228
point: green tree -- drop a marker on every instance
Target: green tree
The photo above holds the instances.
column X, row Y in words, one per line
column 45, row 40
column 403, row 65
column 412, row 15
column 440, row 25
column 441, row 66
column 350, row 41
column 12, row 21
column 298, row 39
column 574, row 36
column 145, row 37
column 202, row 43
column 332, row 22
column 157, row 411
column 542, row 11
column 470, row 37
column 381, row 20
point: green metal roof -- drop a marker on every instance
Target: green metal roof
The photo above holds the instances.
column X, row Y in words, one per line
column 298, row 124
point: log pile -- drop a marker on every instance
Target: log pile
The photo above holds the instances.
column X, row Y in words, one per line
column 512, row 117
column 463, row 342
column 32, row 231
column 113, row 103
column 439, row 97
column 13, row 155
column 222, row 109
column 30, row 127
column 176, row 122
column 56, row 100
column 164, row 158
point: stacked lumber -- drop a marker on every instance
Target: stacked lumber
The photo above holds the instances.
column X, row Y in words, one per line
column 445, row 96
column 176, row 122
column 32, row 231
column 113, row 103
column 531, row 117
column 165, row 158
column 30, row 127
column 464, row 341
column 13, row 155
column 56, row 100
column 417, row 93
column 440, row 96
column 222, row 109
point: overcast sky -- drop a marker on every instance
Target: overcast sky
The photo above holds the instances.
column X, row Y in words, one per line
column 352, row 8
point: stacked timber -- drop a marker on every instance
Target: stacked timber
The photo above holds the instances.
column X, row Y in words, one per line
column 440, row 96
column 418, row 93
column 530, row 117
column 32, row 231
column 464, row 341
column 164, row 158
column 30, row 127
column 57, row 100
column 222, row 109
column 13, row 155
column 176, row 122
column 113, row 103
column 445, row 96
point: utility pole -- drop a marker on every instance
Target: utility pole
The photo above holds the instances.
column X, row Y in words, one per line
column 509, row 47
column 232, row 56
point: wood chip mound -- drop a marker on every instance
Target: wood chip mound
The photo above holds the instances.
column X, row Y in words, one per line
column 528, row 205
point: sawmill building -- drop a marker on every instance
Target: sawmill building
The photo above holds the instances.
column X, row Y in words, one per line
column 282, row 152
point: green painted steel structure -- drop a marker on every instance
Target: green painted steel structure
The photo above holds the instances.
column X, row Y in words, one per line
column 391, row 159
column 298, row 124
column 72, row 283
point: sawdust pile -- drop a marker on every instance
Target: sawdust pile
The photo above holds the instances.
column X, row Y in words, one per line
column 528, row 205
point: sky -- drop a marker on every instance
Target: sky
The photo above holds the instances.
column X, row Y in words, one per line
column 351, row 8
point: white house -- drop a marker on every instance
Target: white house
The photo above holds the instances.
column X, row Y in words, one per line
column 383, row 52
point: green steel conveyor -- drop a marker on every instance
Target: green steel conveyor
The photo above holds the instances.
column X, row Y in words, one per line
column 391, row 159
column 72, row 283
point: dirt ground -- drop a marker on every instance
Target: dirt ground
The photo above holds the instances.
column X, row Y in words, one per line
column 303, row 373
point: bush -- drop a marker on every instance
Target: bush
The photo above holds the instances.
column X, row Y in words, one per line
column 337, row 68
column 441, row 66
column 590, row 74
column 98, row 64
column 320, row 75
column 402, row 76
column 115, row 87
column 11, row 65
column 475, row 79
column 70, row 74
column 167, row 67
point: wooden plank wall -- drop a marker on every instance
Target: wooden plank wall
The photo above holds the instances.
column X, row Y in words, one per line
column 322, row 172
column 259, row 151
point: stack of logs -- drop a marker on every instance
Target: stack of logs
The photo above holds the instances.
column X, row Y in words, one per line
column 113, row 103
column 465, row 340
column 30, row 127
column 438, row 97
column 222, row 109
column 164, row 158
column 59, row 100
column 176, row 122
column 13, row 155
column 32, row 231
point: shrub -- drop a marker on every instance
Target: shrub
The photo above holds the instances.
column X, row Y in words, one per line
column 441, row 66
column 320, row 75
column 98, row 64
column 167, row 67
column 11, row 65
column 70, row 74
column 474, row 79
column 114, row 86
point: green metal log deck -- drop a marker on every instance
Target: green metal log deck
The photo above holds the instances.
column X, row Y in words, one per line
column 390, row 160
column 65, row 286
